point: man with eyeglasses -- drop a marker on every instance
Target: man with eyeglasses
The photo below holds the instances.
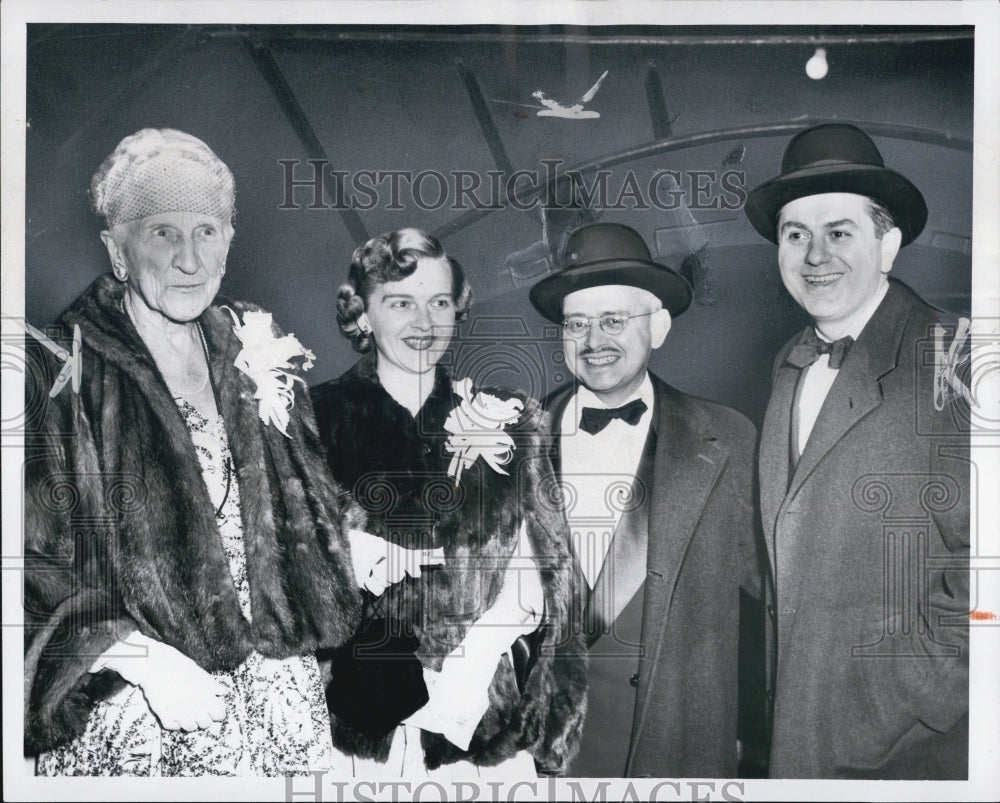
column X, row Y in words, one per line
column 657, row 487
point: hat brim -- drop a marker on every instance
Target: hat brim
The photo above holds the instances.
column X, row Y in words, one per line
column 897, row 193
column 667, row 285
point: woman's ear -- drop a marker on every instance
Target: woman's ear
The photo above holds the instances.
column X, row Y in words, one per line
column 659, row 323
column 364, row 324
column 118, row 266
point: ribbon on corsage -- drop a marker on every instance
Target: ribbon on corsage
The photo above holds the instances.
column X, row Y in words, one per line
column 948, row 361
column 267, row 360
column 477, row 429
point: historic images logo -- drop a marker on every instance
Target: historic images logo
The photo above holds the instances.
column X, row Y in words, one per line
column 311, row 184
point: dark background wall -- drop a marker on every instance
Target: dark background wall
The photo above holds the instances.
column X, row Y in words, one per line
column 376, row 98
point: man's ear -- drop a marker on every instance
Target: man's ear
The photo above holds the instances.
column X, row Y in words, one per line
column 659, row 324
column 890, row 245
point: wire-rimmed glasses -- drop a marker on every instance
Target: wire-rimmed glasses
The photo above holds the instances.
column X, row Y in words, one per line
column 611, row 323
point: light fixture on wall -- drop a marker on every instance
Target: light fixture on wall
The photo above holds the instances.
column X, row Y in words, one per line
column 816, row 67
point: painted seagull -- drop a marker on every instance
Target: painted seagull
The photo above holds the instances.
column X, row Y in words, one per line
column 554, row 108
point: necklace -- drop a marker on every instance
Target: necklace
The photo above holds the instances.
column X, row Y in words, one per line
column 208, row 372
column 177, row 392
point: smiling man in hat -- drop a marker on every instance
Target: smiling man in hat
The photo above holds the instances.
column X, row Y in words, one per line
column 864, row 481
column 658, row 491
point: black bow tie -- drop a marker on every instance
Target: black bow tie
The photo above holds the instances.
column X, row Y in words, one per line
column 594, row 419
column 807, row 353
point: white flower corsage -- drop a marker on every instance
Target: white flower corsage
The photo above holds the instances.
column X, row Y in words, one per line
column 266, row 359
column 477, row 429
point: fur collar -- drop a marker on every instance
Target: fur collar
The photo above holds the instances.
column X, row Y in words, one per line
column 164, row 570
column 296, row 558
column 396, row 465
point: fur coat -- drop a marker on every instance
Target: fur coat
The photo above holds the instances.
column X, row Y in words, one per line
column 396, row 466
column 120, row 533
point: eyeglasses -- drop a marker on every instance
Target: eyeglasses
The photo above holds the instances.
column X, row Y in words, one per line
column 577, row 326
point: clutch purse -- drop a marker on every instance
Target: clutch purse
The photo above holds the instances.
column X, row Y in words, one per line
column 524, row 654
column 377, row 680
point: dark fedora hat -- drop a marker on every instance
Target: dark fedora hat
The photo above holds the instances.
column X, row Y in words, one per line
column 836, row 157
column 608, row 253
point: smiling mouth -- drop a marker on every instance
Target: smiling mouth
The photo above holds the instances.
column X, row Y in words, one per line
column 419, row 343
column 601, row 358
column 822, row 281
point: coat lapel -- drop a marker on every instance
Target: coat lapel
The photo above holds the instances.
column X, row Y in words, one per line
column 625, row 567
column 579, row 589
column 774, row 447
column 688, row 463
column 857, row 390
column 555, row 406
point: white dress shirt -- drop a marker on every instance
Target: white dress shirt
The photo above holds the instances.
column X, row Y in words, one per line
column 597, row 472
column 819, row 377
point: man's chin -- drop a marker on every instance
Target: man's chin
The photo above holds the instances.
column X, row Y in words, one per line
column 599, row 383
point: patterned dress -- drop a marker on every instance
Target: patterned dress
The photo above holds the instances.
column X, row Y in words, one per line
column 276, row 721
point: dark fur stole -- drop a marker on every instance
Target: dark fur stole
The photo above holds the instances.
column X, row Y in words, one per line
column 121, row 533
column 396, row 466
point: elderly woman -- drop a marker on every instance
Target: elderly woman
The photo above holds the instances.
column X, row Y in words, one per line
column 466, row 558
column 184, row 545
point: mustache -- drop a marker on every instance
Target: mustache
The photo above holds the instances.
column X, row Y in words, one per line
column 604, row 350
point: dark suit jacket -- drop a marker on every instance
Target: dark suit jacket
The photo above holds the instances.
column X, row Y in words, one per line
column 868, row 546
column 700, row 545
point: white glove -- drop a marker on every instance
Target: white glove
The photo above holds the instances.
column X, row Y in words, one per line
column 181, row 694
column 458, row 698
column 379, row 563
column 459, row 693
column 517, row 609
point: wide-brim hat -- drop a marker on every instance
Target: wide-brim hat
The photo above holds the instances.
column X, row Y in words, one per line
column 608, row 253
column 836, row 157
